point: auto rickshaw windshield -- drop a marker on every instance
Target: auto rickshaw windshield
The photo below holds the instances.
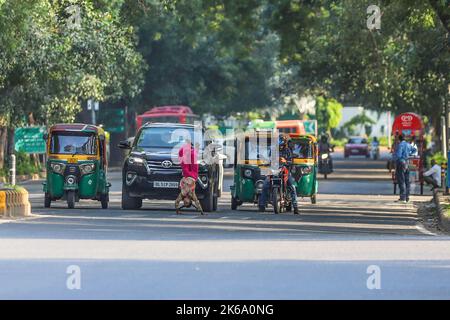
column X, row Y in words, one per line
column 302, row 149
column 83, row 143
column 258, row 149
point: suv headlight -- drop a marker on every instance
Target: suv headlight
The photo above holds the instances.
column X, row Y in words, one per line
column 87, row 168
column 136, row 161
column 58, row 167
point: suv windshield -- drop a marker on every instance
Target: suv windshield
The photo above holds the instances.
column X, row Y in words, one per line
column 73, row 143
column 357, row 141
column 166, row 137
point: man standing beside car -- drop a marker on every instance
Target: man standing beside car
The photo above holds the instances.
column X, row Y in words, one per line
column 402, row 153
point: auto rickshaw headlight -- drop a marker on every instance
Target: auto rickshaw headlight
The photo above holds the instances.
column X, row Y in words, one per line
column 306, row 170
column 248, row 173
column 87, row 168
column 58, row 167
column 259, row 185
column 71, row 180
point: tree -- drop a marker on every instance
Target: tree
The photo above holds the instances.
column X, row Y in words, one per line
column 328, row 114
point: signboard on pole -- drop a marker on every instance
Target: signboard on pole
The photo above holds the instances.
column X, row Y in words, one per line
column 29, row 140
column 310, row 127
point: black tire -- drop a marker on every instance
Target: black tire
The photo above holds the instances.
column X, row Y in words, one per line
column 421, row 189
column 325, row 175
column 47, row 200
column 71, row 199
column 207, row 202
column 104, row 199
column 276, row 201
column 130, row 203
column 215, row 202
column 395, row 188
column 234, row 203
column 313, row 199
column 289, row 208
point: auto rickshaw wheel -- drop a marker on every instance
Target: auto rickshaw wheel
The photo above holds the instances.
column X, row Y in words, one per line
column 395, row 188
column 47, row 200
column 313, row 199
column 71, row 199
column 130, row 203
column 234, row 203
column 215, row 202
column 104, row 199
column 276, row 201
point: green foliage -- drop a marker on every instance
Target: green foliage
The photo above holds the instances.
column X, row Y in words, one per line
column 49, row 66
column 438, row 157
column 328, row 113
column 25, row 165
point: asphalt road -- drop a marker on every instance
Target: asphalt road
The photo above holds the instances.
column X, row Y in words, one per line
column 354, row 236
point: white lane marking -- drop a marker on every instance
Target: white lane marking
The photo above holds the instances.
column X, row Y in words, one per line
column 420, row 228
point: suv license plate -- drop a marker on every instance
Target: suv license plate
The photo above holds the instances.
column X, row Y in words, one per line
column 165, row 184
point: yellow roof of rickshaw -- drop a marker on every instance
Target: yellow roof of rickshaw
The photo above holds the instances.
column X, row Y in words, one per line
column 77, row 127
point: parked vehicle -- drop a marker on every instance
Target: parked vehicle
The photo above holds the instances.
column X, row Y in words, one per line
column 304, row 165
column 167, row 114
column 356, row 146
column 251, row 166
column 151, row 169
column 76, row 164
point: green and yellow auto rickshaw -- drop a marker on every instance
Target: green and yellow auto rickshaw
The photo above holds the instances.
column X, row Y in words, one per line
column 252, row 162
column 76, row 164
column 304, row 165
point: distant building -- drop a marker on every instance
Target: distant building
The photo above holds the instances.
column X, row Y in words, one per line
column 380, row 128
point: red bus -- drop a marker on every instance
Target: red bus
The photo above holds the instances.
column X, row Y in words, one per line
column 170, row 114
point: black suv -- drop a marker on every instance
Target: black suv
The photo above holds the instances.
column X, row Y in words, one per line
column 151, row 169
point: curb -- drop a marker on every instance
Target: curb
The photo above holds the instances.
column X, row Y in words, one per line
column 444, row 220
column 14, row 203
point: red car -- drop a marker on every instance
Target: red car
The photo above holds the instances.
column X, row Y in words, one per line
column 356, row 146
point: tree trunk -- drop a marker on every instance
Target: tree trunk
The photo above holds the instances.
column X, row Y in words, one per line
column 3, row 140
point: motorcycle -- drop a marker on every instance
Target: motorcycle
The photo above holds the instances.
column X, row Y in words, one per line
column 280, row 196
column 375, row 152
column 325, row 165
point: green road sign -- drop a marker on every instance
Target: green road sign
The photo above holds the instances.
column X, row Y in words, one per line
column 29, row 139
column 310, row 127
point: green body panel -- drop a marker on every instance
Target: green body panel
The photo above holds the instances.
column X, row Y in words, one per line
column 88, row 187
column 307, row 185
column 55, row 184
column 243, row 188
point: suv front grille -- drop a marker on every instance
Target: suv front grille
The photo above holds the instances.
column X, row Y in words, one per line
column 157, row 165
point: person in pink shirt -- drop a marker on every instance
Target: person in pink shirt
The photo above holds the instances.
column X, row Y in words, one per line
column 187, row 155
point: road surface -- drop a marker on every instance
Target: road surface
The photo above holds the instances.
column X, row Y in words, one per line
column 355, row 243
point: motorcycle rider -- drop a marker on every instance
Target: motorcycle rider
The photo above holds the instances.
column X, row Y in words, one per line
column 374, row 147
column 325, row 148
column 285, row 148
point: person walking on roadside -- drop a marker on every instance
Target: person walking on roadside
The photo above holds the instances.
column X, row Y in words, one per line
column 402, row 153
column 433, row 176
column 187, row 156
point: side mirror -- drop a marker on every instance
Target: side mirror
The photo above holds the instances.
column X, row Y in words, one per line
column 124, row 145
